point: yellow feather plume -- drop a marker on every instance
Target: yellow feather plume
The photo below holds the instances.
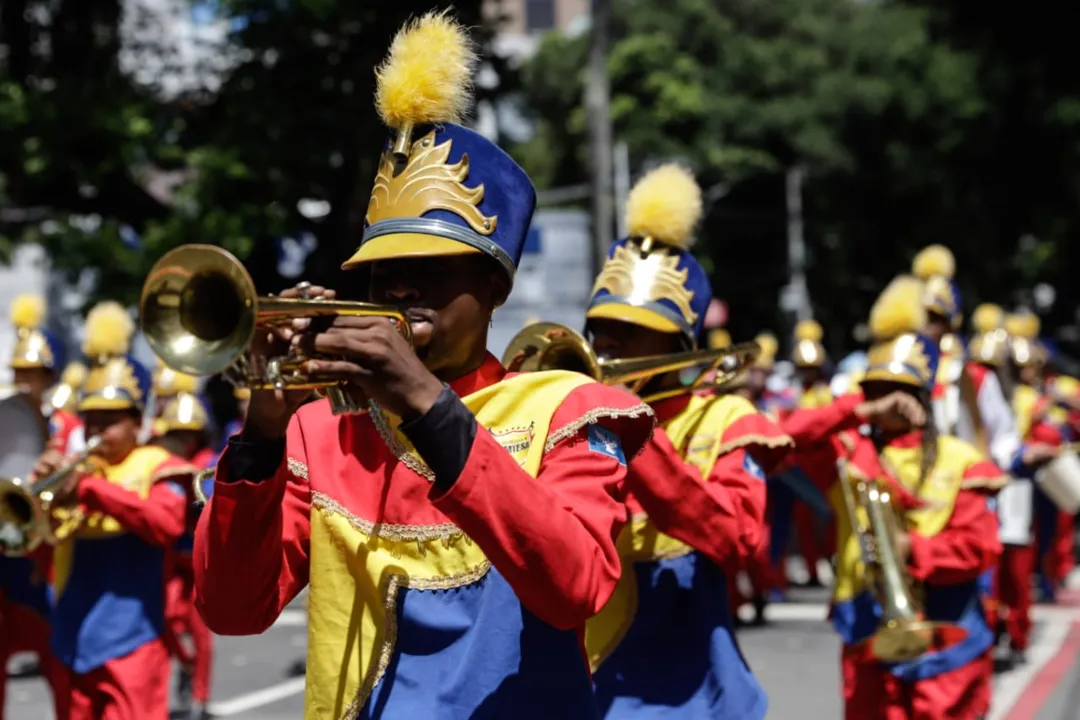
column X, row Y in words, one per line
column 934, row 261
column 109, row 328
column 719, row 338
column 28, row 311
column 809, row 330
column 426, row 77
column 74, row 375
column 987, row 317
column 768, row 344
column 1023, row 325
column 899, row 309
column 665, row 205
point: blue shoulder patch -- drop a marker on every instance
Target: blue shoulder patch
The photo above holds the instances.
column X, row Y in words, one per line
column 605, row 442
column 176, row 487
column 750, row 465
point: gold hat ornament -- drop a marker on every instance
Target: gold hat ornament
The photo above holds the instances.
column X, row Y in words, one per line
column 719, row 338
column 936, row 267
column 1024, row 346
column 809, row 352
column 441, row 189
column 650, row 278
column 35, row 347
column 901, row 353
column 182, row 411
column 65, row 393
column 116, row 380
column 769, row 347
column 169, row 382
column 990, row 342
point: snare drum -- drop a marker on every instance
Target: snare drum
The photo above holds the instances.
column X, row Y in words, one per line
column 1060, row 480
column 1014, row 512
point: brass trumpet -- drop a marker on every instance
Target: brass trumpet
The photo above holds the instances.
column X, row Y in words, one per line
column 551, row 346
column 200, row 314
column 26, row 518
column 903, row 633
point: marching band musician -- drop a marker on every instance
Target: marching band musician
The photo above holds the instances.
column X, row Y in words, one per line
column 951, row 542
column 109, row 575
column 181, row 429
column 24, row 433
column 1042, row 437
column 989, row 353
column 696, row 494
column 810, row 358
column 456, row 537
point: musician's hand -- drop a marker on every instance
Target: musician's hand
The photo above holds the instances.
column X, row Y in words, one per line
column 269, row 411
column 378, row 361
column 1037, row 454
column 49, row 462
column 895, row 406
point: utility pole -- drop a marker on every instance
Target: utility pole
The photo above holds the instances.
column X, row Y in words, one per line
column 622, row 187
column 797, row 295
column 597, row 103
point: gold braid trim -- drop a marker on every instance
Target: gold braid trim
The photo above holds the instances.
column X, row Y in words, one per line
column 390, row 588
column 174, row 471
column 401, row 533
column 411, row 461
column 766, row 441
column 591, row 417
column 297, row 468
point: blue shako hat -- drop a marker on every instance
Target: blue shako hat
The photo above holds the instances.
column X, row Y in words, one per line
column 651, row 278
column 116, row 381
column 936, row 267
column 441, row 189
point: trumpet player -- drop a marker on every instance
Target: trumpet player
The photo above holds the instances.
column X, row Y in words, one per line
column 947, row 538
column 456, row 536
column 109, row 574
column 24, row 432
column 695, row 494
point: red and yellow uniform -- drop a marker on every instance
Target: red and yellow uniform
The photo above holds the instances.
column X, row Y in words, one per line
column 109, row 576
column 522, row 534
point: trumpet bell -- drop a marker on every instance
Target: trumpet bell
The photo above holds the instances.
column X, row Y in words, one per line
column 198, row 309
column 24, row 524
column 551, row 346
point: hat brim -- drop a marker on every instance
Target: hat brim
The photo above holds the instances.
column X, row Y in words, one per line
column 884, row 375
column 406, row 245
column 97, row 402
column 634, row 315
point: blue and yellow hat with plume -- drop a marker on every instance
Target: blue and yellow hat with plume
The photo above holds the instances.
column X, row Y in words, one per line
column 183, row 411
column 1023, row 330
column 650, row 278
column 169, row 383
column 808, row 352
column 35, row 347
column 901, row 353
column 936, row 267
column 116, row 380
column 989, row 342
column 441, row 189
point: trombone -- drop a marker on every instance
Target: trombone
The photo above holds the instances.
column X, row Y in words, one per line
column 26, row 517
column 903, row 633
column 200, row 314
column 551, row 346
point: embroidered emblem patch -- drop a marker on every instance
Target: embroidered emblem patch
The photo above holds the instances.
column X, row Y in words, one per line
column 750, row 465
column 699, row 449
column 605, row 442
column 517, row 442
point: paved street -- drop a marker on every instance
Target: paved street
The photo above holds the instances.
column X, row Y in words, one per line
column 795, row 656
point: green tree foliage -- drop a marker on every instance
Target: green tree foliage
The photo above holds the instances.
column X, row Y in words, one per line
column 890, row 115
column 86, row 152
